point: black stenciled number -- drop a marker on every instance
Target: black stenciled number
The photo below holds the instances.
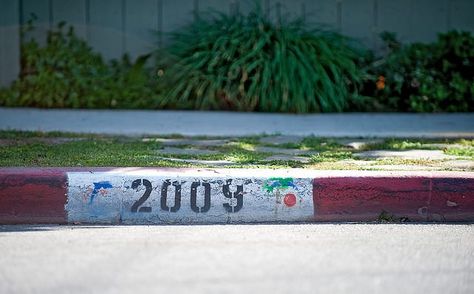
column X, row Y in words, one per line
column 135, row 185
column 239, row 195
column 207, row 197
column 177, row 196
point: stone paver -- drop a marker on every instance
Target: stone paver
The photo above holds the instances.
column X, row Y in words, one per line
column 282, row 139
column 460, row 164
column 442, row 145
column 187, row 141
column 203, row 162
column 186, row 151
column 406, row 154
column 358, row 144
column 356, row 162
column 286, row 151
column 403, row 167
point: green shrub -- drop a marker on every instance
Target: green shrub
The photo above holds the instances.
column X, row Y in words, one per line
column 435, row 77
column 247, row 62
column 66, row 72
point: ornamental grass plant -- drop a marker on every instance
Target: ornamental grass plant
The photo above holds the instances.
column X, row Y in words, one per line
column 248, row 62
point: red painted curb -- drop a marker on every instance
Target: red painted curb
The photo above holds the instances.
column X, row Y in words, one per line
column 416, row 198
column 39, row 195
column 32, row 196
column 363, row 199
column 452, row 200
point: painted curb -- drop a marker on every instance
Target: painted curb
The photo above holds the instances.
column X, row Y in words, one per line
column 201, row 196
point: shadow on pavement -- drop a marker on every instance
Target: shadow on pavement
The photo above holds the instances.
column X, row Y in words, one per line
column 42, row 228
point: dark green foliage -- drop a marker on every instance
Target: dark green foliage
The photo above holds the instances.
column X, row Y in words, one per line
column 66, row 72
column 250, row 63
column 247, row 62
column 133, row 84
column 435, row 77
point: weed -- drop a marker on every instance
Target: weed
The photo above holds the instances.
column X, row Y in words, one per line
column 385, row 217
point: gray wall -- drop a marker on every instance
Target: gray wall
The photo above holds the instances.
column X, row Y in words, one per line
column 9, row 41
column 114, row 27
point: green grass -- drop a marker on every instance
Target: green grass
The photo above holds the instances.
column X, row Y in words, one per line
column 457, row 147
column 49, row 149
column 92, row 152
column 464, row 152
column 408, row 144
column 331, row 156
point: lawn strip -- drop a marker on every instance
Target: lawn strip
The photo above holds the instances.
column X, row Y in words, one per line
column 69, row 149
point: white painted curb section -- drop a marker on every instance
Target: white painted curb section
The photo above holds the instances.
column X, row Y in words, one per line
column 164, row 198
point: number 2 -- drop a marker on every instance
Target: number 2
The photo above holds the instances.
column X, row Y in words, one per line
column 139, row 202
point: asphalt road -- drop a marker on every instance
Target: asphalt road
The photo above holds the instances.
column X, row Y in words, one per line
column 305, row 258
column 220, row 123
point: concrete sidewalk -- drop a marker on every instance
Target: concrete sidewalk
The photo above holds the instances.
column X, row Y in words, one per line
column 191, row 123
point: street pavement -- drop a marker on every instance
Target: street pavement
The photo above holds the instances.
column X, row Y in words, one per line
column 301, row 258
column 218, row 123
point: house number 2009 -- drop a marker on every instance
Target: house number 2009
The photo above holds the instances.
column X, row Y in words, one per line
column 168, row 185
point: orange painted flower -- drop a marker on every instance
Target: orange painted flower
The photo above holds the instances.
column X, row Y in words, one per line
column 380, row 83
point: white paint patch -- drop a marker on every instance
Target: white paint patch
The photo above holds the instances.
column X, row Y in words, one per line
column 105, row 197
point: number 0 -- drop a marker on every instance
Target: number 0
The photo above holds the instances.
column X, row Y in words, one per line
column 207, row 197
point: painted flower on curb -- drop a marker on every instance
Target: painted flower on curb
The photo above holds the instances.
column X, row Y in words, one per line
column 275, row 186
column 278, row 183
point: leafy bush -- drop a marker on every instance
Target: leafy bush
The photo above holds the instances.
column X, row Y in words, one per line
column 420, row 77
column 248, row 62
column 67, row 73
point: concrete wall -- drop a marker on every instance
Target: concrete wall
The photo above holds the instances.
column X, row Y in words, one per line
column 114, row 27
column 9, row 41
